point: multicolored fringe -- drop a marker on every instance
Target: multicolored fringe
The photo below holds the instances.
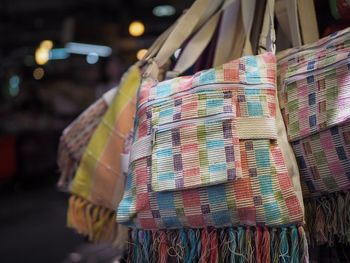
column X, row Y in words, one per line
column 231, row 244
column 328, row 219
column 96, row 222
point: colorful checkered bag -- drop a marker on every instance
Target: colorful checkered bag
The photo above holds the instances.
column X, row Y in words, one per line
column 98, row 185
column 76, row 136
column 314, row 92
column 211, row 173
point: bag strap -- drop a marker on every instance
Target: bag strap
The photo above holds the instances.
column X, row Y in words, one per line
column 179, row 35
column 308, row 21
column 198, row 43
column 196, row 46
column 230, row 22
column 248, row 9
column 184, row 28
column 258, row 22
column 159, row 42
column 300, row 24
column 268, row 36
column 231, row 37
column 287, row 16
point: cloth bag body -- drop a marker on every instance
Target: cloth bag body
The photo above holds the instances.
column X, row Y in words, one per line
column 99, row 181
column 76, row 137
column 103, row 154
column 211, row 165
column 314, row 95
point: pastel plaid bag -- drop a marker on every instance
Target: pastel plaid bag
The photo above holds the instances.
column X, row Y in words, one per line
column 101, row 142
column 208, row 178
column 314, row 91
column 76, row 136
column 99, row 181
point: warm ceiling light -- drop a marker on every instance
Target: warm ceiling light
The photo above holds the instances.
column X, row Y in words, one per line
column 38, row 73
column 164, row 10
column 47, row 44
column 136, row 28
column 41, row 55
column 141, row 53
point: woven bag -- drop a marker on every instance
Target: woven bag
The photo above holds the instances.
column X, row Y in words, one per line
column 98, row 184
column 314, row 91
column 211, row 172
column 76, row 136
column 99, row 181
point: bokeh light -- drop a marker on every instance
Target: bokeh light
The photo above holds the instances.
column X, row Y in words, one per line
column 38, row 73
column 141, row 53
column 136, row 28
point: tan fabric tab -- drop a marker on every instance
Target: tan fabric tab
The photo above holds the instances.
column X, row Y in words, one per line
column 141, row 148
column 256, row 128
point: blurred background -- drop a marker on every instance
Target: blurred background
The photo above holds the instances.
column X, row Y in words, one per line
column 56, row 58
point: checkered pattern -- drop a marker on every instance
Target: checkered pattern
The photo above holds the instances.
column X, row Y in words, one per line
column 323, row 160
column 99, row 178
column 200, row 173
column 197, row 154
column 75, row 138
column 314, row 91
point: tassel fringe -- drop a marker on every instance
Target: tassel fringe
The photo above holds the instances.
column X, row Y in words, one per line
column 96, row 222
column 328, row 219
column 210, row 245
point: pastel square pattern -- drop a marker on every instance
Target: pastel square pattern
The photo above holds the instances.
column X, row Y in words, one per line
column 208, row 167
column 272, row 211
column 208, row 155
column 315, row 85
column 254, row 109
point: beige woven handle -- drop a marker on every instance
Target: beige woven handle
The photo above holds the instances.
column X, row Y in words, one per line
column 184, row 28
column 287, row 16
column 308, row 21
column 199, row 42
column 196, row 46
column 298, row 21
column 159, row 42
column 268, row 35
column 228, row 47
column 200, row 11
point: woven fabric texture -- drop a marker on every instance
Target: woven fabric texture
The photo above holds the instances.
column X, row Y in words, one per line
column 75, row 139
column 206, row 164
column 99, row 178
column 314, row 92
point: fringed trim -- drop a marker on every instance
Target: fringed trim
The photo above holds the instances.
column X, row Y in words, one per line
column 328, row 219
column 96, row 222
column 231, row 244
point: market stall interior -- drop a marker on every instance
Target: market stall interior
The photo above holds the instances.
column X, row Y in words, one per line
column 60, row 61
column 56, row 58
